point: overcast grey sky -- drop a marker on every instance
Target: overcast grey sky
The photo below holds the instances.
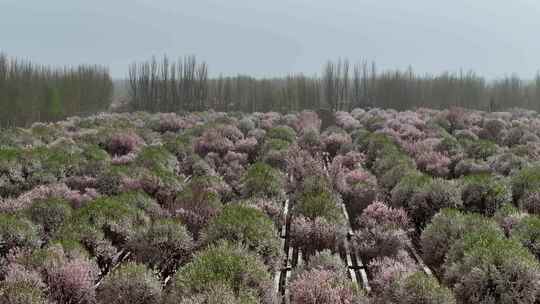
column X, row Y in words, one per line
column 275, row 37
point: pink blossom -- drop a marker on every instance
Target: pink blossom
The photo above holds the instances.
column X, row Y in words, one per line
column 172, row 123
column 388, row 271
column 321, row 286
column 124, row 143
column 346, row 121
column 73, row 281
column 308, row 120
column 379, row 214
column 247, row 145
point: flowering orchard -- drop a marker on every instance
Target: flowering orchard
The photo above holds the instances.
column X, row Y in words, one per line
column 380, row 206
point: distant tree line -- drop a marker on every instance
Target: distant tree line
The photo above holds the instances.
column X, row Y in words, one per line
column 30, row 92
column 185, row 86
column 167, row 86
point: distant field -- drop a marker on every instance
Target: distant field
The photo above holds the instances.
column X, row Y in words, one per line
column 368, row 206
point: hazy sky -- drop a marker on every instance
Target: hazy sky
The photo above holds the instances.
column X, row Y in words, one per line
column 275, row 37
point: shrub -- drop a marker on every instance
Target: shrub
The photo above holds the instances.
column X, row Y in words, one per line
column 379, row 241
column 50, row 214
column 323, row 286
column 484, row 193
column 104, row 222
column 525, row 181
column 22, row 286
column 274, row 152
column 447, row 227
column 507, row 163
column 485, row 267
column 163, row 246
column 334, row 141
column 493, row 128
column 310, row 140
column 387, row 271
column 221, row 264
column 25, row 200
column 470, row 166
column 379, row 214
column 217, row 294
column 433, row 196
column 123, row 143
column 391, row 177
column 308, row 120
column 284, row 133
column 259, row 134
column 246, row 124
column 271, row 207
column 248, row 226
column 313, row 203
column 481, row 149
column 71, row 280
column 407, row 187
column 262, row 180
column 420, row 288
column 212, row 141
column 231, row 132
column 508, row 216
column 18, row 232
column 248, row 146
column 312, row 235
column 358, row 188
column 434, row 163
column 530, row 202
column 325, row 260
column 170, row 122
column 130, row 284
column 109, row 182
column 346, row 121
column 199, row 201
column 527, row 232
column 300, row 164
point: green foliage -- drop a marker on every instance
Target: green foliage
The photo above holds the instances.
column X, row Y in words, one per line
column 275, row 144
column 163, row 245
column 114, row 217
column 54, row 107
column 50, row 214
column 22, row 287
column 420, row 288
column 32, row 92
column 484, row 193
column 378, row 144
column 480, row 149
column 486, row 267
column 16, row 231
column 222, row 264
column 407, row 187
column 446, row 228
column 525, row 181
column 317, row 201
column 96, row 160
column 527, row 232
column 262, row 180
column 248, row 226
column 284, row 133
column 130, row 284
column 159, row 164
column 433, row 196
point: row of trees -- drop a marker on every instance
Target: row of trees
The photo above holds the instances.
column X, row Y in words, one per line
column 184, row 86
column 31, row 92
column 167, row 86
